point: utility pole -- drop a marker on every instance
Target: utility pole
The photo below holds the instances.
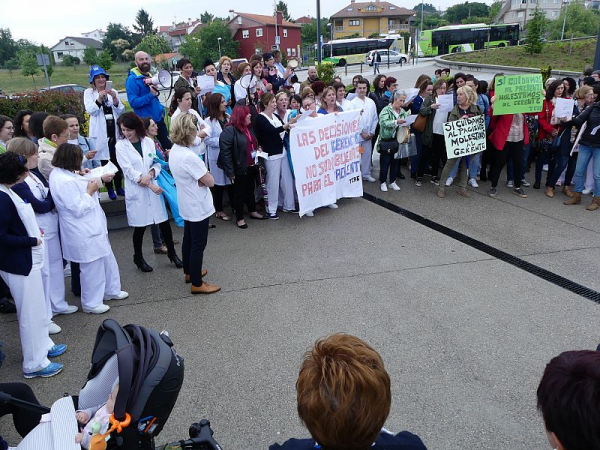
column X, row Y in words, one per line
column 597, row 58
column 319, row 31
column 562, row 34
column 276, row 40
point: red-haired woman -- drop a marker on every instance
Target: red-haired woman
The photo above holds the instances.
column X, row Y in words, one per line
column 238, row 146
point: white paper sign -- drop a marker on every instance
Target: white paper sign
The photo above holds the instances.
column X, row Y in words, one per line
column 103, row 170
column 564, row 108
column 206, row 83
column 465, row 136
column 446, row 102
column 326, row 158
column 351, row 96
column 408, row 121
column 411, row 94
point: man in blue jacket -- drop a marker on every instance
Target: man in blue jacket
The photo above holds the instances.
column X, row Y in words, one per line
column 143, row 96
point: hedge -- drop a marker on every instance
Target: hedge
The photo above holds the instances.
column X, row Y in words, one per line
column 52, row 102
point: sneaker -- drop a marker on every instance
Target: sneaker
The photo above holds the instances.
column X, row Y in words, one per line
column 493, row 192
column 519, row 192
column 295, row 210
column 67, row 270
column 394, row 186
column 273, row 216
column 369, row 178
column 120, row 192
column 587, row 191
column 510, row 184
column 57, row 350
column 525, row 183
column 111, row 194
column 383, row 187
column 473, row 183
column 49, row 371
column 333, row 206
column 441, row 193
column 100, row 309
column 53, row 328
column 536, row 185
column 545, row 168
column 70, row 310
column 449, row 181
column 6, row 307
column 435, row 180
column 120, row 296
column 309, row 214
column 419, row 182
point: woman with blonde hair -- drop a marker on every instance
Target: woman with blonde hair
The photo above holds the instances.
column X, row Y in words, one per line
column 224, row 74
column 329, row 103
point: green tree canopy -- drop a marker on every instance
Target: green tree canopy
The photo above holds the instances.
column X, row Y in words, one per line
column 283, row 8
column 206, row 17
column 105, row 60
column 153, row 44
column 309, row 32
column 28, row 63
column 204, row 45
column 536, row 28
column 12, row 64
column 427, row 8
column 144, row 25
column 114, row 32
column 8, row 47
column 70, row 61
column 90, row 57
column 456, row 13
column 494, row 11
column 580, row 21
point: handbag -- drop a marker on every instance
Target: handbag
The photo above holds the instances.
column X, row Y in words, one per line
column 388, row 147
column 407, row 149
column 420, row 123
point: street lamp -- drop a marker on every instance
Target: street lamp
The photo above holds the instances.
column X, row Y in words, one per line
column 219, row 42
column 330, row 38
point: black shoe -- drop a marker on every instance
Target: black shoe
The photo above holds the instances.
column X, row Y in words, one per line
column 7, row 307
column 175, row 260
column 536, row 185
column 413, row 176
column 242, row 226
column 400, row 176
column 273, row 216
column 142, row 265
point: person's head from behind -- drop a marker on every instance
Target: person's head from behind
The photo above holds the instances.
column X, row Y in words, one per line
column 568, row 398
column 36, row 124
column 344, row 394
column 26, row 148
column 56, row 130
column 68, row 157
column 13, row 168
column 183, row 130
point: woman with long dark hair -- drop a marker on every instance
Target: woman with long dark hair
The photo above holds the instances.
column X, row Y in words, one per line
column 144, row 204
column 187, row 81
column 21, row 122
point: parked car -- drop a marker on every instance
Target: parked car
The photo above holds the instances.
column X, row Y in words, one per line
column 66, row 88
column 394, row 57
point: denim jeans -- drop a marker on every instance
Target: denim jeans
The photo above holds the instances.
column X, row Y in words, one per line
column 585, row 154
column 387, row 162
column 473, row 164
column 510, row 171
column 156, row 238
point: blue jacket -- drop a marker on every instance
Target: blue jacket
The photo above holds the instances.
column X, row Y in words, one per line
column 39, row 206
column 141, row 98
column 15, row 244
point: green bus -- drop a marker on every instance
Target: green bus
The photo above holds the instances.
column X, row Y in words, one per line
column 466, row 38
column 353, row 51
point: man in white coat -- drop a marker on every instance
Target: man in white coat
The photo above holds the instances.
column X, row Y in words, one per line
column 368, row 123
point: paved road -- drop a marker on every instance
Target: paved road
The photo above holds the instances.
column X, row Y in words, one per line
column 464, row 336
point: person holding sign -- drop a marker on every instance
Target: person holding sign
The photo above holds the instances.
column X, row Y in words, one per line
column 466, row 107
column 368, row 123
column 508, row 135
column 390, row 118
column 434, row 144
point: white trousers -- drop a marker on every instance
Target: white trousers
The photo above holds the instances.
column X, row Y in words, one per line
column 99, row 278
column 28, row 293
column 53, row 276
column 280, row 175
column 365, row 158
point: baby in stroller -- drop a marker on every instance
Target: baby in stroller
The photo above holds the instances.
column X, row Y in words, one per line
column 96, row 419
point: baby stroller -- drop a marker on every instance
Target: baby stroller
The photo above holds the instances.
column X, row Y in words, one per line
column 150, row 375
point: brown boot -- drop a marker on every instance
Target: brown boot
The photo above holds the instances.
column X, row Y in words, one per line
column 441, row 193
column 567, row 191
column 549, row 192
column 205, row 289
column 188, row 279
column 463, row 192
column 575, row 200
column 594, row 205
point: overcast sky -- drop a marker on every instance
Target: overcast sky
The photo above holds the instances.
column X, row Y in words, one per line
column 47, row 22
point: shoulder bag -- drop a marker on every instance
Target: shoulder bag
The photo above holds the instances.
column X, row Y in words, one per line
column 420, row 124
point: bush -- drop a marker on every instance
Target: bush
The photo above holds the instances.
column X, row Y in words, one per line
column 52, row 102
column 326, row 72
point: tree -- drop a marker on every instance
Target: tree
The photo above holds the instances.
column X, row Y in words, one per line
column 29, row 66
column 282, row 7
column 309, row 32
column 8, row 47
column 203, row 45
column 114, row 32
column 494, row 11
column 206, row 17
column 105, row 60
column 153, row 45
column 580, row 21
column 12, row 64
column 90, row 56
column 535, row 32
column 144, row 25
column 427, row 8
column 70, row 61
column 456, row 13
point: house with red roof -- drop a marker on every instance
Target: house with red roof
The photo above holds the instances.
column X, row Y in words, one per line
column 258, row 34
column 175, row 34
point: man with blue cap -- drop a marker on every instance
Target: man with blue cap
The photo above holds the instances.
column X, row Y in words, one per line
column 143, row 96
column 104, row 107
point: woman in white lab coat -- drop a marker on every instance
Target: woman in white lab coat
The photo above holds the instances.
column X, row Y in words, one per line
column 104, row 107
column 83, row 230
column 144, row 203
column 21, row 260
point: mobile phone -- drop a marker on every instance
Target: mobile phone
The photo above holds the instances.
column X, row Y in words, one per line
column 109, row 85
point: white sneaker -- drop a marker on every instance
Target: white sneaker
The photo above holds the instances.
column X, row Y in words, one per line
column 394, row 186
column 333, row 206
column 587, row 191
column 120, row 296
column 449, row 181
column 100, row 309
column 558, row 183
column 53, row 328
column 510, row 184
column 310, row 214
column 369, row 178
column 473, row 183
column 70, row 310
column 383, row 187
column 545, row 167
column 67, row 270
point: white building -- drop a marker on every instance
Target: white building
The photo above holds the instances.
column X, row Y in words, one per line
column 74, row 46
column 521, row 11
column 95, row 34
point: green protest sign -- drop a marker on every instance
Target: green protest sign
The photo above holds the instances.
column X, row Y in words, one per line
column 518, row 94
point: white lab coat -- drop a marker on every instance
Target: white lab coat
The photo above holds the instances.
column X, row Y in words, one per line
column 143, row 206
column 97, row 131
column 83, row 231
column 369, row 118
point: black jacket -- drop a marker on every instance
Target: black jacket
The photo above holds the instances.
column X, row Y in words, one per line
column 591, row 115
column 268, row 136
column 15, row 244
column 233, row 145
